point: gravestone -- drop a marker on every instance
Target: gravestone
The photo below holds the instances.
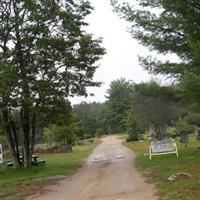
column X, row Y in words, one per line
column 198, row 134
column 152, row 133
column 184, row 137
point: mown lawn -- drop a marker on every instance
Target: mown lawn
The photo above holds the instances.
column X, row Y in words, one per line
column 14, row 183
column 161, row 167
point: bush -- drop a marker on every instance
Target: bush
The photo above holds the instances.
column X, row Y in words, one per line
column 3, row 141
column 132, row 138
column 183, row 125
column 135, row 136
column 60, row 134
column 193, row 118
column 171, row 132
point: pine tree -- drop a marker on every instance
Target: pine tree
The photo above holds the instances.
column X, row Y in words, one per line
column 168, row 26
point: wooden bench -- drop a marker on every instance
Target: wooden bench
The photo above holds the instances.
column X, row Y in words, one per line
column 165, row 146
column 38, row 162
column 10, row 164
column 34, row 161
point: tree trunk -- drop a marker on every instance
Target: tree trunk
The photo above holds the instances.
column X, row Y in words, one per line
column 11, row 142
column 25, row 119
column 15, row 139
column 14, row 156
column 32, row 138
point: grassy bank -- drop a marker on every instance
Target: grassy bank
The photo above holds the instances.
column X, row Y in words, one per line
column 14, row 183
column 161, row 167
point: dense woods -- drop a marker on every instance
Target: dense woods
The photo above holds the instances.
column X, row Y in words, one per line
column 135, row 109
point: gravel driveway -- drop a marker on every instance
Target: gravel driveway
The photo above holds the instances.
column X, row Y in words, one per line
column 109, row 174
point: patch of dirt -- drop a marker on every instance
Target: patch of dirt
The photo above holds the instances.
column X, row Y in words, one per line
column 38, row 186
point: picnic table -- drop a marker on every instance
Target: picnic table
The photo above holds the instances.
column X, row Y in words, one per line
column 34, row 161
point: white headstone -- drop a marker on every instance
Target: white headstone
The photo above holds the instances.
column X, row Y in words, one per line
column 1, row 154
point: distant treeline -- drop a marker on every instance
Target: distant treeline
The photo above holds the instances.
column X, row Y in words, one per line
column 137, row 108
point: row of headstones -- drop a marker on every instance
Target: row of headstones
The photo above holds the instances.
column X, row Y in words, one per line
column 184, row 136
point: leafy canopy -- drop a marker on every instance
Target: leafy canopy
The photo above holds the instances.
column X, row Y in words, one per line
column 45, row 55
column 155, row 106
column 172, row 27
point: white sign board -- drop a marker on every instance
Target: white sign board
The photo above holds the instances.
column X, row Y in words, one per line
column 165, row 146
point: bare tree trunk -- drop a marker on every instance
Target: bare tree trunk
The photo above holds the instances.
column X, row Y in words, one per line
column 11, row 142
column 32, row 138
column 15, row 139
column 26, row 153
column 26, row 132
column 13, row 153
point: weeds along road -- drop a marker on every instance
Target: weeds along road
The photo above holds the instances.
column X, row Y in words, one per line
column 109, row 174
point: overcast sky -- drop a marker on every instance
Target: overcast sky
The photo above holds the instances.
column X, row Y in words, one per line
column 121, row 59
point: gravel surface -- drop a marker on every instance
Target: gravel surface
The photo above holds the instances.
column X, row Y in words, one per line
column 109, row 174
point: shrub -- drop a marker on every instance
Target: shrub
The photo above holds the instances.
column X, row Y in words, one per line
column 135, row 135
column 183, row 125
column 60, row 134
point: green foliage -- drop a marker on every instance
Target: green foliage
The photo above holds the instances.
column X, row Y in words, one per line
column 193, row 118
column 60, row 134
column 120, row 97
column 131, row 108
column 60, row 113
column 183, row 125
column 3, row 140
column 46, row 55
column 132, row 127
column 168, row 27
column 91, row 117
column 155, row 106
column 108, row 117
column 153, row 89
column 189, row 88
column 58, row 61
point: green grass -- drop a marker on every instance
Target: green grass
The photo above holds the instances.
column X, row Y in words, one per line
column 14, row 182
column 161, row 167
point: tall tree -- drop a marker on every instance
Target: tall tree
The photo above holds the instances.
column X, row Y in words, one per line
column 120, row 96
column 155, row 106
column 168, row 26
column 45, row 54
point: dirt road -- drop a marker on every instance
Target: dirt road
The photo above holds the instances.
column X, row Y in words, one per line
column 108, row 174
